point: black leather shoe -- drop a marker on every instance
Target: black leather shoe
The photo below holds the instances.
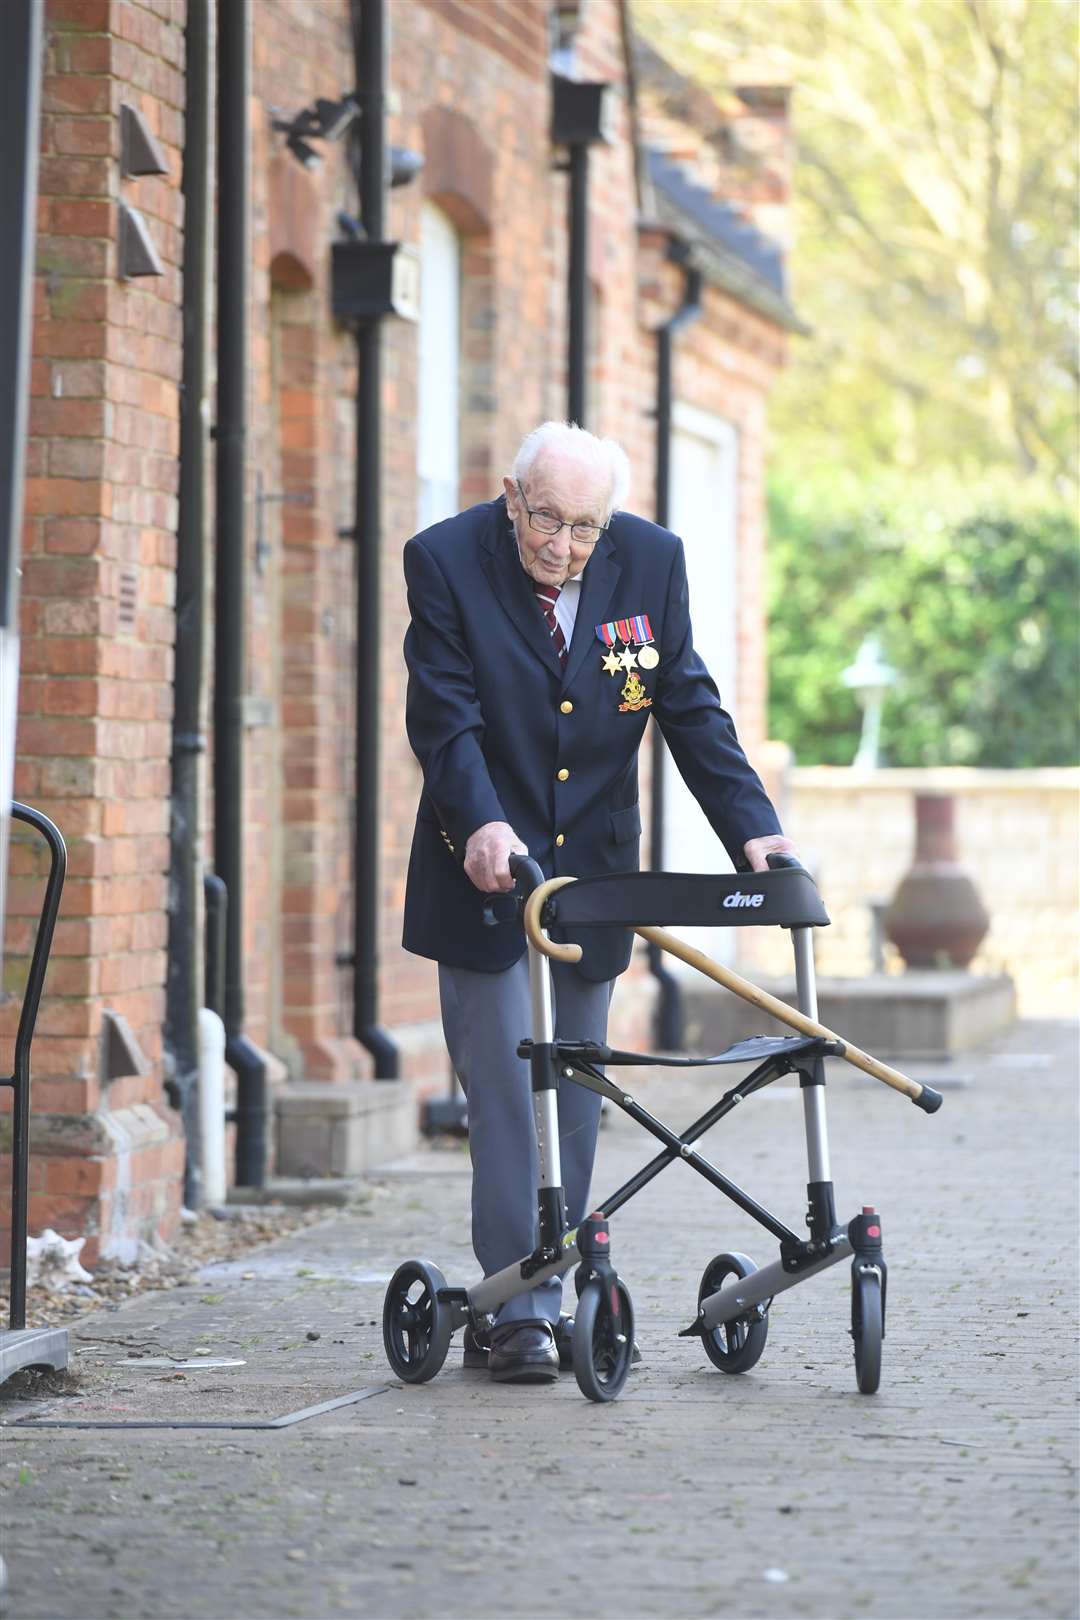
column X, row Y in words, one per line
column 564, row 1342
column 523, row 1353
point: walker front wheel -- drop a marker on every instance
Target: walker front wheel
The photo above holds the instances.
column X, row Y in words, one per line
column 416, row 1325
column 603, row 1341
column 734, row 1346
column 867, row 1329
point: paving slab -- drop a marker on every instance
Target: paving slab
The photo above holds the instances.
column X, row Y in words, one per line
column 782, row 1492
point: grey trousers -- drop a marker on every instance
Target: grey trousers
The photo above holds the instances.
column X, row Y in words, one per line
column 484, row 1016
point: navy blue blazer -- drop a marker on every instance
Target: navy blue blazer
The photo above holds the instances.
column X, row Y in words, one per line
column 503, row 734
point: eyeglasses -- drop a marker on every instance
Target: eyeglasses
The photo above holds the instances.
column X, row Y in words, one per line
column 581, row 534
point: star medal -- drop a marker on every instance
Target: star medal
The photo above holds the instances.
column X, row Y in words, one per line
column 638, row 652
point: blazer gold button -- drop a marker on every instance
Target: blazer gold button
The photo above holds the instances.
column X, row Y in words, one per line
column 566, row 706
column 564, row 775
column 560, row 841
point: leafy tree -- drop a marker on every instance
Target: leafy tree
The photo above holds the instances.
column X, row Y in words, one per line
column 974, row 599
column 935, row 199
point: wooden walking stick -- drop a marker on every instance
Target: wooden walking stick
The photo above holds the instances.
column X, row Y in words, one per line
column 924, row 1097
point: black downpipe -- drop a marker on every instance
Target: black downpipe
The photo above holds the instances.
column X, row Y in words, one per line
column 369, row 45
column 578, row 283
column 234, row 284
column 21, row 29
column 183, row 994
column 669, row 1010
column 21, row 25
column 216, row 902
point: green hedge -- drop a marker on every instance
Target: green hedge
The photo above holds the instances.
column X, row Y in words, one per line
column 977, row 603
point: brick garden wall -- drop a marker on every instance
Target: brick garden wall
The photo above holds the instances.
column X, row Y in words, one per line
column 1017, row 833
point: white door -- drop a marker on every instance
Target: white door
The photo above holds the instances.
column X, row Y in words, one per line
column 704, row 466
column 440, row 349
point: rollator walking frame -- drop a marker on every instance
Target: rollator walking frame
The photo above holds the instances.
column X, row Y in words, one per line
column 421, row 1313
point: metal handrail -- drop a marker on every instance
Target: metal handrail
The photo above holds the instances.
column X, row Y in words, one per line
column 19, row 1080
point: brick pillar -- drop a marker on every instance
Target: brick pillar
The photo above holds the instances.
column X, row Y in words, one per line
column 97, row 626
column 317, row 624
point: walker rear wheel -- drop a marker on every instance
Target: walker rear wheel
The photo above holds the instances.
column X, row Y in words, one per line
column 603, row 1341
column 416, row 1325
column 867, row 1329
column 734, row 1346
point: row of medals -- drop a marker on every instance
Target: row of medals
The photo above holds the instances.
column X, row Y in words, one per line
column 633, row 692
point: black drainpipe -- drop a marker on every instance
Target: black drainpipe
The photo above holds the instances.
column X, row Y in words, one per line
column 230, row 641
column 669, row 1012
column 578, row 282
column 369, row 46
column 21, row 32
column 577, row 122
column 184, row 979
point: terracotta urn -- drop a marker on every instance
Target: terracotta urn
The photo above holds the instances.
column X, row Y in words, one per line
column 936, row 918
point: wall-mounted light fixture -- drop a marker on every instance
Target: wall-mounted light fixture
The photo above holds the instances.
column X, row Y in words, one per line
column 322, row 120
column 404, row 165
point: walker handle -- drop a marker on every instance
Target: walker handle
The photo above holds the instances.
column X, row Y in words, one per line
column 527, row 877
column 777, row 861
column 526, row 874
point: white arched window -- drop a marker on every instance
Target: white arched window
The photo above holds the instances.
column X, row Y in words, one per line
column 439, row 382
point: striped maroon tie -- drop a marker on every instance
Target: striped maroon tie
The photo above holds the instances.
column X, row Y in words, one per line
column 547, row 596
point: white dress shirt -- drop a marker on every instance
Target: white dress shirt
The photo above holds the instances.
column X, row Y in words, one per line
column 566, row 607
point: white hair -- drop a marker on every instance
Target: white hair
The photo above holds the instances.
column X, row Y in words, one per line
column 569, row 439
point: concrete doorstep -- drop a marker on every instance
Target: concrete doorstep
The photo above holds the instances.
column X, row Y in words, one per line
column 343, row 1129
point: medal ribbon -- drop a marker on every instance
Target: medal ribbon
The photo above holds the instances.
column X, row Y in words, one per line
column 636, row 631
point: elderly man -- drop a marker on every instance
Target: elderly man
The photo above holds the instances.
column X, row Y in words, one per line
column 547, row 626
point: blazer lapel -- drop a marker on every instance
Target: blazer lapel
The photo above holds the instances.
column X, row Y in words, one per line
column 511, row 585
column 597, row 584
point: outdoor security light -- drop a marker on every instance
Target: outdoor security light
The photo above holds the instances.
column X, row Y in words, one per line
column 304, row 154
column 323, row 120
column 404, row 165
column 334, row 117
column 350, row 226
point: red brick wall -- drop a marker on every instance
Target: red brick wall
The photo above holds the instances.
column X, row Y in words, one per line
column 470, row 90
column 97, row 623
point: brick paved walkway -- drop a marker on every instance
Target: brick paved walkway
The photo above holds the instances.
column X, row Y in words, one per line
column 783, row 1493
